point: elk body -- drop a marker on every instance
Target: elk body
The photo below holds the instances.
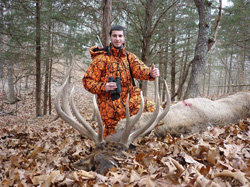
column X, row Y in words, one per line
column 196, row 114
column 106, row 150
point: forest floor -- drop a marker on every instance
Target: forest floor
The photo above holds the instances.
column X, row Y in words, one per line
column 40, row 151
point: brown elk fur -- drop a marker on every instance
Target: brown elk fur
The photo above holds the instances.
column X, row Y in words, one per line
column 195, row 115
column 102, row 158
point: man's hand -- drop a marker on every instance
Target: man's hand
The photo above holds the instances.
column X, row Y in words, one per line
column 154, row 72
column 110, row 86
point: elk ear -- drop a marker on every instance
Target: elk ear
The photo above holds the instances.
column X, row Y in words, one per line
column 104, row 162
column 86, row 164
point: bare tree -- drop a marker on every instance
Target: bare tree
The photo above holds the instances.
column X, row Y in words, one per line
column 47, row 75
column 11, row 90
column 184, row 68
column 147, row 33
column 245, row 32
column 46, row 83
column 38, row 60
column 1, row 60
column 106, row 20
column 173, row 54
column 1, row 70
column 147, row 39
column 203, row 45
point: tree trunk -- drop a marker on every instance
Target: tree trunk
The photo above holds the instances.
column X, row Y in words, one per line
column 173, row 57
column 165, row 64
column 230, row 71
column 173, row 72
column 243, row 56
column 38, row 61
column 181, row 70
column 1, row 70
column 209, row 76
column 225, row 76
column 165, row 77
column 161, row 69
column 146, row 40
column 11, row 91
column 201, row 49
column 106, row 21
column 1, row 63
column 183, row 76
column 26, row 86
column 50, row 70
column 47, row 66
column 204, row 83
column 50, row 77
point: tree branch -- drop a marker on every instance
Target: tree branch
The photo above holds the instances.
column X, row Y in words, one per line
column 185, row 77
column 213, row 40
column 159, row 18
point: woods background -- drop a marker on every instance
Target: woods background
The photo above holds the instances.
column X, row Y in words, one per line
column 201, row 47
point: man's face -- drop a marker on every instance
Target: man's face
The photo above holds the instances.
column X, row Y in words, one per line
column 117, row 38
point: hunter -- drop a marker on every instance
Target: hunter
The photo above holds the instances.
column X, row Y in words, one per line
column 110, row 76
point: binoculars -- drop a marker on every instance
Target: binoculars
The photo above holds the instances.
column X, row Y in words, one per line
column 115, row 94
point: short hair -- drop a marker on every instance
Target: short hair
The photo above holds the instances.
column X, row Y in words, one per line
column 117, row 28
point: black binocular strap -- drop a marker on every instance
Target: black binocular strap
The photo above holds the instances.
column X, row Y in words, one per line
column 130, row 70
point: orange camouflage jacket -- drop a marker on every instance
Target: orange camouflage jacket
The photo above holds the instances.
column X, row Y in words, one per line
column 112, row 63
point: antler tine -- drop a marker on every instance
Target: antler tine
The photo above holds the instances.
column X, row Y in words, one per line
column 65, row 102
column 62, row 106
column 162, row 113
column 64, row 115
column 138, row 132
column 165, row 111
column 90, row 131
column 99, row 120
column 130, row 121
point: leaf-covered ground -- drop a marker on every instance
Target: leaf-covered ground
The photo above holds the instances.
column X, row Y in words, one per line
column 40, row 152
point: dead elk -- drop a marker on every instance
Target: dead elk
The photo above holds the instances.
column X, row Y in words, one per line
column 103, row 156
column 195, row 115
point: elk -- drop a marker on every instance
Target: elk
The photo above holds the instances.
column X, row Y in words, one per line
column 103, row 156
column 194, row 115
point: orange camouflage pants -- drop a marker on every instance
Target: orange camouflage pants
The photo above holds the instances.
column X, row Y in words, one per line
column 111, row 121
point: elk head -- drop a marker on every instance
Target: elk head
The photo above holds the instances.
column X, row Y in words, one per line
column 102, row 158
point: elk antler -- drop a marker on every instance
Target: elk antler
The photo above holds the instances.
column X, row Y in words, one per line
column 164, row 112
column 62, row 106
column 128, row 137
column 102, row 157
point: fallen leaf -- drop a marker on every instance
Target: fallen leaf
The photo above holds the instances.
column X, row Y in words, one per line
column 237, row 175
column 146, row 181
column 213, row 156
column 38, row 149
column 85, row 174
column 134, row 176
